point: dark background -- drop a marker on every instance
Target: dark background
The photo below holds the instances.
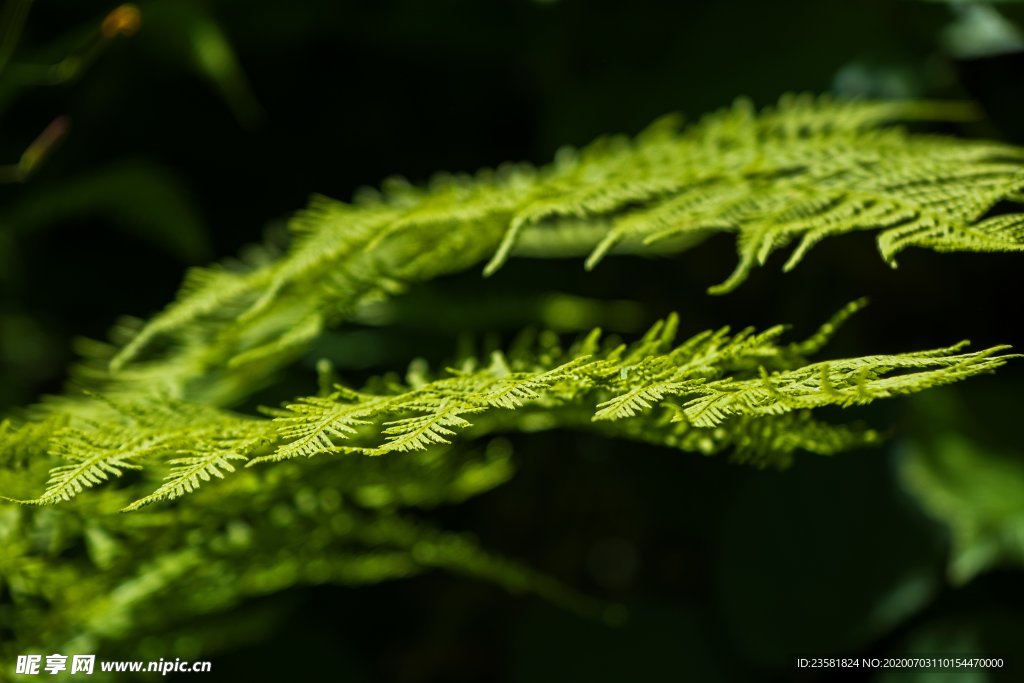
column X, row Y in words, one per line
column 175, row 159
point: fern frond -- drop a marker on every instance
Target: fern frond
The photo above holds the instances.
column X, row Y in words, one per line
column 309, row 425
column 640, row 400
column 844, row 383
column 433, row 427
column 337, row 519
column 67, row 481
column 795, row 174
column 713, row 380
column 745, row 385
column 823, row 335
column 186, row 474
column 195, row 440
column 512, row 390
column 23, row 440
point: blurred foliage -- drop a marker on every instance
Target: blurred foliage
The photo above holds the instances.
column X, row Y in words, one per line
column 184, row 34
column 260, row 535
column 977, row 490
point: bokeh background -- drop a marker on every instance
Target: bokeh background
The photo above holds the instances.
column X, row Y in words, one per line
column 205, row 129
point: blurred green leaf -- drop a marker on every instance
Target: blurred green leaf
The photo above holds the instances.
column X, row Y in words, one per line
column 980, row 30
column 183, row 32
column 978, row 493
column 138, row 197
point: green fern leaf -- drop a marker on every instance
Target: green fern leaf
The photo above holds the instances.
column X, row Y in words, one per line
column 795, row 174
column 186, row 474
